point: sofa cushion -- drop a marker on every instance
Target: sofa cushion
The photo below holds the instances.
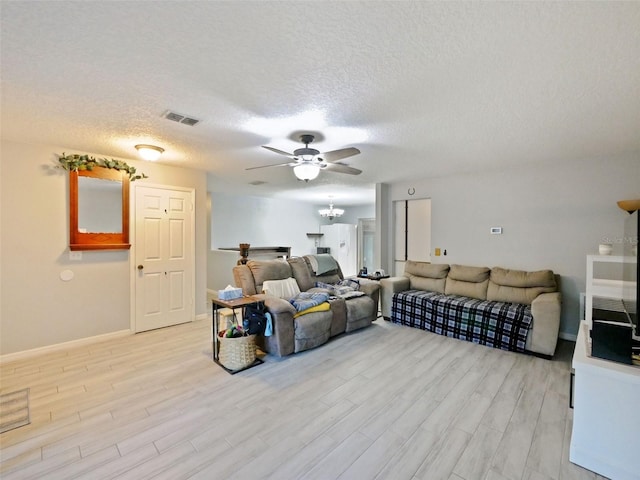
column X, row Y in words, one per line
column 243, row 278
column 465, row 273
column 467, row 281
column 301, row 270
column 268, row 270
column 517, row 286
column 426, row 269
column 426, row 276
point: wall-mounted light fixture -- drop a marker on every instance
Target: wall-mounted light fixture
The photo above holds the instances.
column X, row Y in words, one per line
column 149, row 152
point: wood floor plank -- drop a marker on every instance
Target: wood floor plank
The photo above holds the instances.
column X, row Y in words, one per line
column 474, row 462
column 409, row 457
column 304, row 459
column 385, row 402
column 441, row 461
column 340, row 458
column 511, row 456
column 374, row 458
column 154, row 465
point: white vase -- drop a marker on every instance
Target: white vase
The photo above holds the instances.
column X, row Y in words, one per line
column 605, row 249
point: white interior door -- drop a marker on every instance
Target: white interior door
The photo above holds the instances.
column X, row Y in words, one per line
column 164, row 257
column 419, row 230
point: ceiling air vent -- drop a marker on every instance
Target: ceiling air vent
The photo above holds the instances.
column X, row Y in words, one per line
column 176, row 117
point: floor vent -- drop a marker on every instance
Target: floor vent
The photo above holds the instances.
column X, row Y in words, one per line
column 176, row 117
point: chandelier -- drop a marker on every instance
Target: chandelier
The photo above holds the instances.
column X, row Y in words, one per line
column 331, row 212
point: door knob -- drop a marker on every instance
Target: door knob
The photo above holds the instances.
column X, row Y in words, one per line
column 140, row 267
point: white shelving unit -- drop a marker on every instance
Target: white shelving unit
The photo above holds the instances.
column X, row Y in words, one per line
column 605, row 287
column 606, row 416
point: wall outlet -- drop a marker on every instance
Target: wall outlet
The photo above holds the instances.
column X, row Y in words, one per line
column 75, row 255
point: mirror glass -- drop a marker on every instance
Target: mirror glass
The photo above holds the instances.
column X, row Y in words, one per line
column 99, row 209
column 99, row 205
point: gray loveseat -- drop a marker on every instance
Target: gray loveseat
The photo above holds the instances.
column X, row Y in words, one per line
column 293, row 333
column 509, row 309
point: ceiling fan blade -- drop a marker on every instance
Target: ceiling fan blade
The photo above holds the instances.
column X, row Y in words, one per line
column 340, row 168
column 291, row 164
column 335, row 155
column 280, row 152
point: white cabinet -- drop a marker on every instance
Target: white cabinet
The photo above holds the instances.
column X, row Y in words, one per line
column 606, row 416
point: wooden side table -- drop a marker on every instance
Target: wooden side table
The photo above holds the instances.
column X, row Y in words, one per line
column 217, row 304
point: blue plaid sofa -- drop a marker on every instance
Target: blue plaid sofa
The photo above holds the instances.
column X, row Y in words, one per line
column 507, row 309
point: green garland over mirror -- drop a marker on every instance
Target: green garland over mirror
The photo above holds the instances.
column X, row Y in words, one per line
column 77, row 162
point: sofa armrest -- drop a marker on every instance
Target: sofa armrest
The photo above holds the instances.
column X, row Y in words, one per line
column 543, row 336
column 371, row 289
column 389, row 286
column 281, row 342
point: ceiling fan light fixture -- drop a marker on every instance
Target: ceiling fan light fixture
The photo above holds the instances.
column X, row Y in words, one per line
column 306, row 154
column 331, row 212
column 149, row 152
column 306, row 171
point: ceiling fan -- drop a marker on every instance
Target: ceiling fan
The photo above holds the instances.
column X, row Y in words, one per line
column 307, row 162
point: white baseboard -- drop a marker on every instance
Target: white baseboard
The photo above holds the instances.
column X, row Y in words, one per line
column 25, row 354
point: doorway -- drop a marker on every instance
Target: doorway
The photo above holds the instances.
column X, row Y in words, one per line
column 366, row 243
column 412, row 229
column 164, row 257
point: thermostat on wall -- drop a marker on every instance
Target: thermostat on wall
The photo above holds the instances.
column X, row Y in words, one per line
column 496, row 230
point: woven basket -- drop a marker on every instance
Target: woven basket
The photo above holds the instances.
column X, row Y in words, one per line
column 237, row 353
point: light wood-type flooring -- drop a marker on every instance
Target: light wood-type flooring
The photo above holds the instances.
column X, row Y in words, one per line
column 385, row 402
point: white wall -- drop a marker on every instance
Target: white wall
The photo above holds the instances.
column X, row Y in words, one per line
column 352, row 213
column 39, row 309
column 552, row 217
column 262, row 222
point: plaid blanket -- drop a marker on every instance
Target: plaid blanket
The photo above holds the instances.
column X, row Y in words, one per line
column 495, row 324
column 305, row 300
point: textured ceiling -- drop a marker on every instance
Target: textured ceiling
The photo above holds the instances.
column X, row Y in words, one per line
column 421, row 88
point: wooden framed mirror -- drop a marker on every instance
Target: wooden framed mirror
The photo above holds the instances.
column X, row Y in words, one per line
column 99, row 209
